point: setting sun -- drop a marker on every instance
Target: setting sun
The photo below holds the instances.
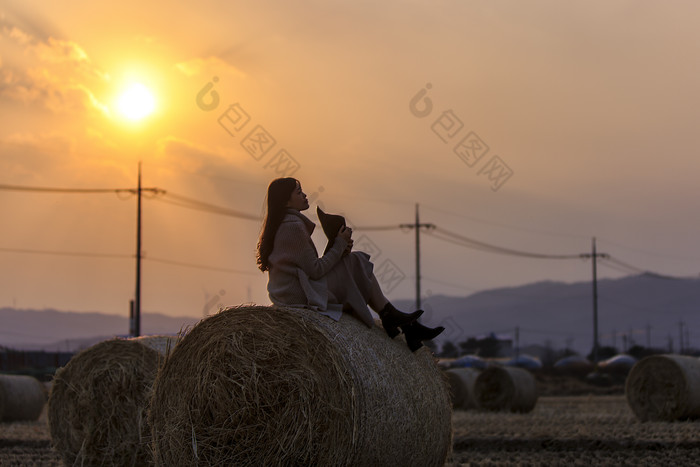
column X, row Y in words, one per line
column 136, row 102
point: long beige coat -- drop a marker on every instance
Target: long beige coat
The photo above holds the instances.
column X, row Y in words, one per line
column 298, row 277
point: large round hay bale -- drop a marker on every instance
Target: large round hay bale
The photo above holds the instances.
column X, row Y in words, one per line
column 462, row 387
column 256, row 385
column 98, row 402
column 22, row 398
column 505, row 388
column 664, row 388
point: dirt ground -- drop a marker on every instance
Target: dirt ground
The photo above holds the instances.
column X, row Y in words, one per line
column 573, row 430
column 561, row 430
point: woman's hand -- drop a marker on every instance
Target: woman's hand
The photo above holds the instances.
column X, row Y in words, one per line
column 346, row 234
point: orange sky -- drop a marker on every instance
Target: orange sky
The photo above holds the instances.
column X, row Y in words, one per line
column 591, row 106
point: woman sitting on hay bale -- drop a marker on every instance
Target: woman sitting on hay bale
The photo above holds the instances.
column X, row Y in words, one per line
column 340, row 280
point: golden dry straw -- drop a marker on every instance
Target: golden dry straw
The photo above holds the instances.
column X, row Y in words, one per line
column 98, row 402
column 22, row 398
column 664, row 388
column 505, row 388
column 462, row 387
column 256, row 385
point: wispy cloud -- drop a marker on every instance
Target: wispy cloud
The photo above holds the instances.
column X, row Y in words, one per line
column 25, row 156
column 212, row 64
column 57, row 73
column 201, row 159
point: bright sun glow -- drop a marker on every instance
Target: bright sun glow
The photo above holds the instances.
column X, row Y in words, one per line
column 136, row 102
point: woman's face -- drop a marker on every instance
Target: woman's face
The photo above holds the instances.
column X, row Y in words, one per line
column 298, row 199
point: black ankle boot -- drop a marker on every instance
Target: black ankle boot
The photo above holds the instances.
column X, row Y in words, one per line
column 393, row 318
column 416, row 333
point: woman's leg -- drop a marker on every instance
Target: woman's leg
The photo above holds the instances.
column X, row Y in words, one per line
column 377, row 301
column 415, row 332
column 353, row 282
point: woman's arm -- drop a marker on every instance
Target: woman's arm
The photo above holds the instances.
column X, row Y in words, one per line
column 296, row 247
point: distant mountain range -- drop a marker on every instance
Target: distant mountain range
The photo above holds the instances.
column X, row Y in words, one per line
column 643, row 309
column 54, row 330
column 632, row 310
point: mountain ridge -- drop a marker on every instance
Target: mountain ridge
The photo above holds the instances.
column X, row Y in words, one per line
column 642, row 309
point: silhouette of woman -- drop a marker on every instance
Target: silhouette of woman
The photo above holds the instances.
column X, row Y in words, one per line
column 340, row 280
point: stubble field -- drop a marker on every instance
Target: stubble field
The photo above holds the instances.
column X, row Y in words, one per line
column 561, row 430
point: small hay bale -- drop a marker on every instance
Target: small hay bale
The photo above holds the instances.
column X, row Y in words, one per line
column 98, row 402
column 462, row 387
column 505, row 388
column 22, row 398
column 664, row 388
column 256, row 385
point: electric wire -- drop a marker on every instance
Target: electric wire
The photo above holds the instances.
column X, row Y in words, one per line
column 646, row 252
column 502, row 225
column 64, row 253
column 462, row 240
column 377, row 228
column 198, row 205
column 624, row 267
column 78, row 190
column 203, row 206
column 199, row 266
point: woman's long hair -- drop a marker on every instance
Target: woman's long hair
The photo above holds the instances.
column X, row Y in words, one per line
column 278, row 193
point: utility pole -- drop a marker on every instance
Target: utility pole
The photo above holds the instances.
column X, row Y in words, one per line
column 417, row 225
column 594, row 259
column 135, row 312
column 137, row 298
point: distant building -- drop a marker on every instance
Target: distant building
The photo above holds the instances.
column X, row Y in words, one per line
column 488, row 346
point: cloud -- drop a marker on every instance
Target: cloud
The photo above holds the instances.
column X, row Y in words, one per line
column 24, row 156
column 59, row 75
column 187, row 156
column 194, row 157
column 209, row 65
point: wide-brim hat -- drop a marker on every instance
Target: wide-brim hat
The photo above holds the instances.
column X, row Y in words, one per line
column 331, row 224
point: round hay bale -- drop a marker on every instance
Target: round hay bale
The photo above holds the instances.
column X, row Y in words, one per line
column 98, row 402
column 505, row 388
column 22, row 398
column 462, row 387
column 574, row 365
column 619, row 365
column 664, row 388
column 256, row 385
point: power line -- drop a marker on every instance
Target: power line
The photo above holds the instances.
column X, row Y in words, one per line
column 197, row 205
column 65, row 253
column 448, row 284
column 640, row 250
column 378, row 228
column 175, row 199
column 621, row 266
column 446, row 235
column 62, row 190
column 467, row 242
column 505, row 226
column 123, row 256
column 199, row 266
column 77, row 190
column 203, row 206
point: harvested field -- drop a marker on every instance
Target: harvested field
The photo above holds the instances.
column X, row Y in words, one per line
column 561, row 430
